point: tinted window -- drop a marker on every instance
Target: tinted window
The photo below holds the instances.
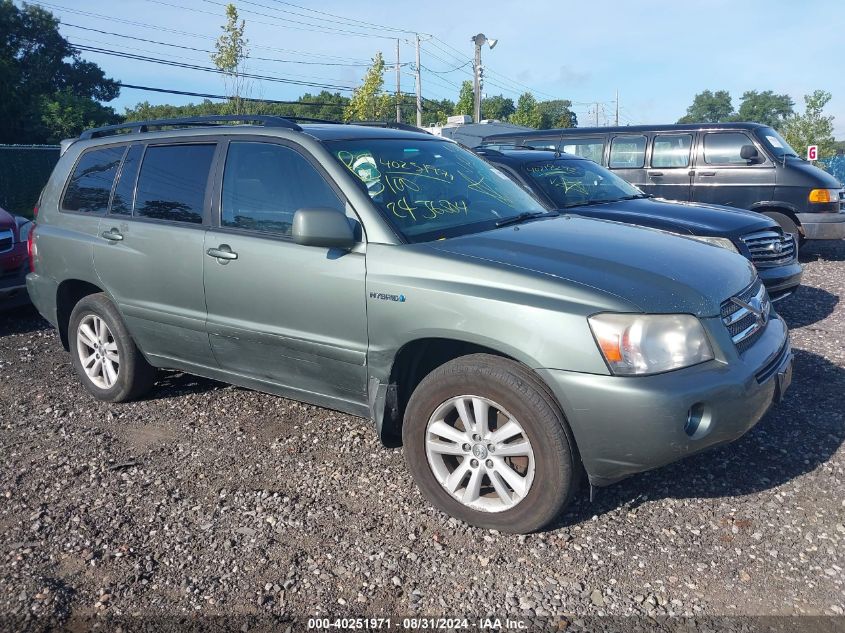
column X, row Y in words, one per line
column 627, row 152
column 671, row 150
column 121, row 203
column 723, row 148
column 428, row 189
column 265, row 184
column 591, row 148
column 90, row 185
column 172, row 182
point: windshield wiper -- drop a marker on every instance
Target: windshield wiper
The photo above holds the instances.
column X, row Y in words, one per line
column 636, row 196
column 525, row 216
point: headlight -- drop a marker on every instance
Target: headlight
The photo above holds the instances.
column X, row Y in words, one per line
column 721, row 242
column 640, row 344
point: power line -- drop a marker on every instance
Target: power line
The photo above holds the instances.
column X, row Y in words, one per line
column 224, row 97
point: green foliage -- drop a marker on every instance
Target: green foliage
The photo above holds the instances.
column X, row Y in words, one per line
column 556, row 113
column 527, row 112
column 368, row 102
column 709, row 107
column 497, row 107
column 466, row 101
column 230, row 55
column 812, row 127
column 765, row 107
column 46, row 90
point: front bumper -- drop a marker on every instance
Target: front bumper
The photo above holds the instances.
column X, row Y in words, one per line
column 823, row 226
column 13, row 270
column 781, row 281
column 626, row 425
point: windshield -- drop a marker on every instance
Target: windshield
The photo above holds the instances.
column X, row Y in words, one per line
column 570, row 183
column 430, row 189
column 775, row 143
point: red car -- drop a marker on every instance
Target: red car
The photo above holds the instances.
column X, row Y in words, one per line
column 14, row 262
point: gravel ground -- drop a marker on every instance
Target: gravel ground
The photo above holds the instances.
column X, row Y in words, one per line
column 209, row 499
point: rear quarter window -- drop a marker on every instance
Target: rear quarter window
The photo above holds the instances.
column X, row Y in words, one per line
column 91, row 182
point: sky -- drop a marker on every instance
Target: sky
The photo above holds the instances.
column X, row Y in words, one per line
column 657, row 55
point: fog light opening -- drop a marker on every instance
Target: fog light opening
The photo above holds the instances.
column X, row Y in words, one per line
column 698, row 421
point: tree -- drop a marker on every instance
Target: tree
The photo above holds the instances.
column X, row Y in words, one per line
column 368, row 102
column 812, row 127
column 709, row 107
column 47, row 91
column 765, row 107
column 556, row 113
column 527, row 113
column 496, row 107
column 466, row 102
column 230, row 55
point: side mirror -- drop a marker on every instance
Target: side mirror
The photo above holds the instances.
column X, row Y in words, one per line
column 749, row 153
column 322, row 226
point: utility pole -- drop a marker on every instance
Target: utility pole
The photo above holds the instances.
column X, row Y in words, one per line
column 398, row 87
column 419, row 85
column 478, row 74
column 597, row 113
column 617, row 107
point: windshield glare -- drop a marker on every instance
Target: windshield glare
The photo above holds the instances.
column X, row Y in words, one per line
column 570, row 183
column 775, row 143
column 429, row 189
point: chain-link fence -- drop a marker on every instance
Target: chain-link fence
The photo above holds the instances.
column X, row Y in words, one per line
column 834, row 165
column 24, row 170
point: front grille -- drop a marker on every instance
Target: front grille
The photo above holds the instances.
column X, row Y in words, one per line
column 7, row 240
column 770, row 248
column 744, row 326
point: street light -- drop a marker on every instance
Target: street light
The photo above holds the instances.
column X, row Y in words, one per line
column 478, row 76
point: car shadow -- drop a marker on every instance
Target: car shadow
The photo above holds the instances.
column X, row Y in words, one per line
column 827, row 250
column 794, row 438
column 807, row 306
column 172, row 384
column 21, row 320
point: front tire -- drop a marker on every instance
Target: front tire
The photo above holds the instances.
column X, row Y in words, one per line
column 486, row 443
column 104, row 355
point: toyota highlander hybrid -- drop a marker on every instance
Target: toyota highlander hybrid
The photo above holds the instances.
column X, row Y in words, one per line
column 398, row 277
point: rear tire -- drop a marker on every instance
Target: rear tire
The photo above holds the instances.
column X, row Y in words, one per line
column 516, row 471
column 103, row 353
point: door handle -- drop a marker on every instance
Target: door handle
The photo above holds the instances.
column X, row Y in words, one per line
column 113, row 235
column 707, row 173
column 224, row 252
column 655, row 174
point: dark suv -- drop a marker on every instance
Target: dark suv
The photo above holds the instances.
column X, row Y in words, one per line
column 577, row 185
column 744, row 165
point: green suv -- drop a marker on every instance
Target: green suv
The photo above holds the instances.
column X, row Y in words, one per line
column 398, row 277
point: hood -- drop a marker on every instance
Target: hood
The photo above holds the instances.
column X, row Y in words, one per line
column 679, row 217
column 652, row 270
column 812, row 176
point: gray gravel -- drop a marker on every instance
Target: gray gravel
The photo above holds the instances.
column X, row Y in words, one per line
column 210, row 499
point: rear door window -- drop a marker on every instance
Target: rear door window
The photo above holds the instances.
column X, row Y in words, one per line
column 723, row 148
column 627, row 152
column 590, row 148
column 671, row 150
column 173, row 181
column 91, row 183
column 264, row 185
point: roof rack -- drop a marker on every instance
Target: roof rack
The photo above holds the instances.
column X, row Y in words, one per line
column 394, row 125
column 199, row 121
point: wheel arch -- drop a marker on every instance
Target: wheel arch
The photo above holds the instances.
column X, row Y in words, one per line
column 69, row 293
column 412, row 362
column 784, row 208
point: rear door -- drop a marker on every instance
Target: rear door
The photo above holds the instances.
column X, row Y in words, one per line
column 722, row 176
column 279, row 312
column 627, row 157
column 149, row 252
column 669, row 174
